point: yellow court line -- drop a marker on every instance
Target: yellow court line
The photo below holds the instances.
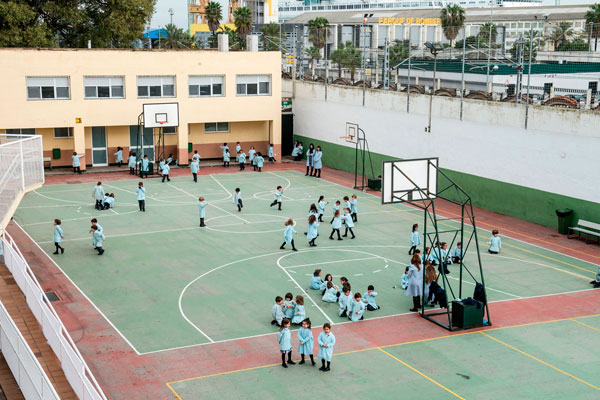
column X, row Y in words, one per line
column 422, row 374
column 549, row 258
column 548, row 266
column 174, row 392
column 586, row 325
column 540, row 361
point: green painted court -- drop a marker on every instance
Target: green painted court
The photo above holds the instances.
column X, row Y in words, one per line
column 173, row 284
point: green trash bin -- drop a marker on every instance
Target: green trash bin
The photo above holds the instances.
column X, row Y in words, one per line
column 467, row 316
column 564, row 220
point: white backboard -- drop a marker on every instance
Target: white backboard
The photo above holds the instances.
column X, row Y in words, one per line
column 398, row 174
column 167, row 113
column 351, row 132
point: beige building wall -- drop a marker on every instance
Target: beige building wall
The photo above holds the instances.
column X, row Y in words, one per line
column 253, row 119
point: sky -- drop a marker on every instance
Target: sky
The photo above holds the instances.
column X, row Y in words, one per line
column 161, row 15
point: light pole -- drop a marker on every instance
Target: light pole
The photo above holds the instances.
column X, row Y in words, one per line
column 364, row 75
column 171, row 13
column 487, row 75
column 434, row 48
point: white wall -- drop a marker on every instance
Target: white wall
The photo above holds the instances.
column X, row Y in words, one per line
column 559, row 153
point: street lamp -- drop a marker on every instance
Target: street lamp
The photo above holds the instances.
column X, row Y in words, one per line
column 434, row 48
column 364, row 75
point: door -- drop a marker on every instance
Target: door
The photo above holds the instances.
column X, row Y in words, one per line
column 142, row 144
column 99, row 156
column 287, row 134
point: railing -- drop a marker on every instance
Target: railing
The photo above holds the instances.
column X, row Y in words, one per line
column 74, row 366
column 21, row 168
column 29, row 374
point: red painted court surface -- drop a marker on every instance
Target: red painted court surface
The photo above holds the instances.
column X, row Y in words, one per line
column 543, row 311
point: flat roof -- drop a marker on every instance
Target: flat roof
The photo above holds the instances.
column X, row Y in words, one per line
column 473, row 15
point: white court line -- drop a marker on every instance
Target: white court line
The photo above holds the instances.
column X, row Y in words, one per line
column 80, row 291
column 66, row 201
column 487, row 287
column 77, row 219
column 224, row 188
column 332, row 262
column 116, row 213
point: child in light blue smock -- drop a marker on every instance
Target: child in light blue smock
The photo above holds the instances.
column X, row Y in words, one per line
column 457, row 253
column 323, row 287
column 357, row 308
column 318, row 164
column 109, row 201
column 277, row 198
column 224, row 148
column 312, row 231
column 202, row 209
column 165, row 172
column 349, row 223
column 98, row 195
column 285, row 342
column 330, row 295
column 271, row 153
column 277, row 311
column 131, row 163
column 288, row 234
column 306, row 341
column 98, row 237
column 495, row 243
column 310, row 166
column 58, row 236
column 321, row 207
column 315, row 280
column 238, row 148
column 404, row 281
column 226, row 158
column 326, row 342
column 354, row 208
column 119, row 156
column 336, row 207
column 299, row 312
column 288, row 306
column 415, row 239
column 445, row 257
column 336, row 225
column 170, row 159
column 76, row 163
column 347, row 202
column 196, row 156
column 251, row 155
column 344, row 301
column 141, row 196
column 369, row 298
column 145, row 166
column 237, row 199
column 194, row 167
column 259, row 161
column 242, row 160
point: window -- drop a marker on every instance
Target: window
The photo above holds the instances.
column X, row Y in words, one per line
column 20, row 132
column 205, row 86
column 98, row 87
column 62, row 133
column 212, row 127
column 46, row 88
column 170, row 130
column 253, row 85
column 156, row 86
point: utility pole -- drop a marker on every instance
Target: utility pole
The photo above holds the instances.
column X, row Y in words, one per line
column 171, row 13
column 386, row 65
column 363, row 40
column 487, row 75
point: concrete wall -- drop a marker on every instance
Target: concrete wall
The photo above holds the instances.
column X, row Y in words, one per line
column 557, row 158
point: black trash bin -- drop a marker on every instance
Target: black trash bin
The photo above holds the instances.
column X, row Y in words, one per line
column 564, row 220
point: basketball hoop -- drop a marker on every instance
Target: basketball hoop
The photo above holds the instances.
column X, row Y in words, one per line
column 346, row 137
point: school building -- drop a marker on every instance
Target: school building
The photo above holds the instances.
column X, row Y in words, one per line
column 89, row 100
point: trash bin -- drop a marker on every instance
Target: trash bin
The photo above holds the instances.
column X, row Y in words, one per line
column 564, row 220
column 467, row 313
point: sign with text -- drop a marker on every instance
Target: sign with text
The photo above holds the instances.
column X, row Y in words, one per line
column 409, row 21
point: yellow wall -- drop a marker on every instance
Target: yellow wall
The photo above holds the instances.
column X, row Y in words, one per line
column 246, row 114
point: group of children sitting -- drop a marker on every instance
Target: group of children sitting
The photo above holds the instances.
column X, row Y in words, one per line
column 350, row 306
column 255, row 158
column 104, row 201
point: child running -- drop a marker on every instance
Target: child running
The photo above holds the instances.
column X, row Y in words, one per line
column 165, row 172
column 305, row 342
column 277, row 199
column 312, row 233
column 237, row 199
column 202, row 209
column 336, row 225
column 288, row 234
column 98, row 195
column 58, row 236
column 299, row 311
column 349, row 223
column 415, row 239
column 326, row 342
column 141, row 196
column 321, row 206
column 336, row 207
column 285, row 342
column 495, row 243
column 98, row 237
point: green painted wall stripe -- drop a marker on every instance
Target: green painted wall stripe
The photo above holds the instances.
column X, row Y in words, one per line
column 532, row 205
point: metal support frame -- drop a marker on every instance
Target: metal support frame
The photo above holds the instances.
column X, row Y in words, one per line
column 386, row 64
column 454, row 194
column 362, row 147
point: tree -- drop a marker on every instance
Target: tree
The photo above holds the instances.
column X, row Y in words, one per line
column 560, row 34
column 235, row 43
column 399, row 51
column 453, row 18
column 317, row 32
column 534, row 50
column 337, row 56
column 214, row 15
column 484, row 32
column 592, row 20
column 313, row 54
column 243, row 23
column 351, row 58
column 175, row 38
column 71, row 23
column 577, row 44
column 270, row 37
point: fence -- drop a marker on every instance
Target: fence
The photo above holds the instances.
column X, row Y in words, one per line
column 22, row 167
column 26, row 369
column 75, row 368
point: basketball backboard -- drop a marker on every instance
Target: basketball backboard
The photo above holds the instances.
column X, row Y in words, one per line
column 161, row 115
column 351, row 132
column 404, row 181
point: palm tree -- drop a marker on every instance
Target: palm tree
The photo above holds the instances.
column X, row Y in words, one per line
column 317, row 32
column 175, row 38
column 313, row 54
column 484, row 32
column 398, row 51
column 214, row 16
column 561, row 34
column 351, row 59
column 592, row 20
column 243, row 23
column 453, row 18
column 337, row 56
column 270, row 35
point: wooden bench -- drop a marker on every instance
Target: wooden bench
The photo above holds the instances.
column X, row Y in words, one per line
column 587, row 228
column 49, row 161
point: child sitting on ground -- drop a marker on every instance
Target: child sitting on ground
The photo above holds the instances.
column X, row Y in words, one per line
column 288, row 306
column 277, row 311
column 404, row 282
column 357, row 308
column 299, row 312
column 596, row 283
column 315, row 281
column 323, row 287
column 344, row 301
column 369, row 298
column 330, row 295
